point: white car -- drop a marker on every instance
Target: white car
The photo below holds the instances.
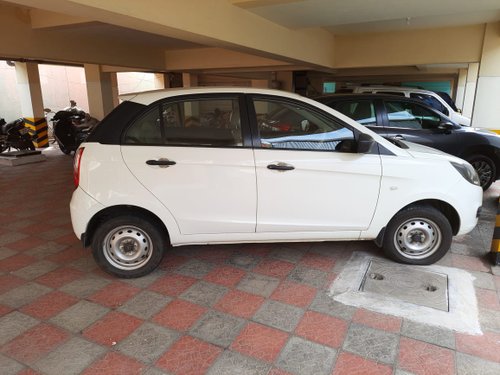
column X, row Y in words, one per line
column 233, row 165
column 431, row 98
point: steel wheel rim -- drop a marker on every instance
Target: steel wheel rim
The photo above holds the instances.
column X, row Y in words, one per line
column 417, row 238
column 127, row 247
column 484, row 170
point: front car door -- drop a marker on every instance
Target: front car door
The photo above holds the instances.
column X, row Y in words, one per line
column 194, row 154
column 308, row 176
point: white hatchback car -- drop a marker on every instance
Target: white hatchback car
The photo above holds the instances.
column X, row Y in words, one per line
column 234, row 165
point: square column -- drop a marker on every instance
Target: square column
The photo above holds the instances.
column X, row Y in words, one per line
column 102, row 90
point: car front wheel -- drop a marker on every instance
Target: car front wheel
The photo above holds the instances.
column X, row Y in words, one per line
column 128, row 246
column 418, row 235
column 485, row 168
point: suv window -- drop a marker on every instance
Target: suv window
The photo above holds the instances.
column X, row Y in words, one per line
column 200, row 122
column 290, row 126
column 410, row 116
column 430, row 101
column 362, row 111
column 395, row 93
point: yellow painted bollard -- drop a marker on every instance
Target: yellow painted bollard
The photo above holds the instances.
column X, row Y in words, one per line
column 495, row 242
column 38, row 128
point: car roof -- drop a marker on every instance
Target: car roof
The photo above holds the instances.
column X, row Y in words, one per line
column 338, row 97
column 148, row 97
column 396, row 88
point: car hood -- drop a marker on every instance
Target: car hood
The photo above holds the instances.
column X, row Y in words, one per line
column 420, row 151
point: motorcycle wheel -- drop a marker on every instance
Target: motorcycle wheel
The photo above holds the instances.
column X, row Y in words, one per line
column 63, row 149
column 4, row 147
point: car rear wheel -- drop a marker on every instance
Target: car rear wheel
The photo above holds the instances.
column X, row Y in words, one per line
column 128, row 246
column 485, row 168
column 418, row 235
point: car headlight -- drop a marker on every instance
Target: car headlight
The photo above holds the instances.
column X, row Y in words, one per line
column 468, row 172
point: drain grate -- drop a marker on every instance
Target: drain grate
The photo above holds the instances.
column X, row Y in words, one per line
column 407, row 283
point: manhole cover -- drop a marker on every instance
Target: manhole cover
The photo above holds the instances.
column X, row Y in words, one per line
column 408, row 284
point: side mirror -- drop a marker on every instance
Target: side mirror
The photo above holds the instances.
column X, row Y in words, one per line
column 365, row 143
column 459, row 110
column 446, row 125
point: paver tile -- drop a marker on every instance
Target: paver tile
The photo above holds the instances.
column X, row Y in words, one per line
column 115, row 364
column 179, row 315
column 470, row 365
column 112, row 328
column 204, row 293
column 294, row 294
column 231, row 363
column 304, row 357
column 115, row 294
column 486, row 346
column 239, row 303
column 225, row 275
column 49, row 305
column 323, row 329
column 145, row 304
column 217, row 328
column 279, row 315
column 378, row 321
column 261, row 285
column 79, row 316
column 350, row 364
column 172, row 284
column 431, row 334
column 422, row 358
column 274, row 267
column 372, row 344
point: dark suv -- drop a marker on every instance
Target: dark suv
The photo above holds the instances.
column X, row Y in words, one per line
column 411, row 120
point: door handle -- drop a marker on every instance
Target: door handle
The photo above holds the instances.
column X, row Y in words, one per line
column 162, row 163
column 281, row 167
column 400, row 137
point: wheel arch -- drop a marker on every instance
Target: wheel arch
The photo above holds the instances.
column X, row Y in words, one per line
column 483, row 150
column 445, row 208
column 119, row 210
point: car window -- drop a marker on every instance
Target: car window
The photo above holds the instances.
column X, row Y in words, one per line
column 362, row 111
column 290, row 126
column 203, row 122
column 395, row 93
column 430, row 101
column 410, row 115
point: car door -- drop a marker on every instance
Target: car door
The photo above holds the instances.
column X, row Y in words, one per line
column 416, row 123
column 194, row 154
column 308, row 176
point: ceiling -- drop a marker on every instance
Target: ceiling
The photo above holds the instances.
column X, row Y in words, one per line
column 359, row 16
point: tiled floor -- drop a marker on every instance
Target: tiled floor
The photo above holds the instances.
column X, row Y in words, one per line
column 242, row 309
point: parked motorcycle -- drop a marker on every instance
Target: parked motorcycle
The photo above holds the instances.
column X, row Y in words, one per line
column 14, row 135
column 71, row 128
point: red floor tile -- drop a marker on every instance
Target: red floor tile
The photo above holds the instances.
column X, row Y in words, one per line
column 377, row 321
column 240, row 303
column 172, row 284
column 274, row 267
column 215, row 254
column 179, row 315
column 113, row 328
column 115, row 363
column 170, row 262
column 114, row 294
column 16, row 262
column 294, row 294
column 28, row 371
column 277, row 371
column 318, row 261
column 60, row 277
column 350, row 364
column 8, row 282
column 488, row 299
column 38, row 228
column 4, row 310
column 69, row 255
column 323, row 329
column 486, row 346
column 422, row 358
column 49, row 305
column 225, row 275
column 35, row 343
column 25, row 243
column 189, row 356
column 260, row 342
column 469, row 263
column 68, row 239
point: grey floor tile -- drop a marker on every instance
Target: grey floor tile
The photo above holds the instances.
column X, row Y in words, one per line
column 5, row 253
column 148, row 342
column 377, row 345
column 13, row 324
column 145, row 304
column 325, row 304
column 288, row 254
column 243, row 260
column 308, row 276
column 36, row 269
column 489, row 320
column 261, row 285
column 23, row 294
column 204, row 293
column 218, row 328
column 9, row 237
column 469, row 365
column 230, row 363
column 433, row 335
column 195, row 268
column 279, row 315
column 46, row 249
column 79, row 316
column 85, row 286
column 9, row 366
column 483, row 280
column 154, row 371
column 70, row 358
column 145, row 281
column 304, row 357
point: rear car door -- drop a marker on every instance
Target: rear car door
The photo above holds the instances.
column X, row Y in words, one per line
column 365, row 111
column 194, row 154
column 308, row 178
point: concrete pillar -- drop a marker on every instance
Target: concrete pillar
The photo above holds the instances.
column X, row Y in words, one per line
column 189, row 80
column 462, row 80
column 486, row 109
column 30, row 96
column 159, row 81
column 101, row 90
column 470, row 89
column 286, row 80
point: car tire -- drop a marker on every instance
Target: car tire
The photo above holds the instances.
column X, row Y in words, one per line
column 129, row 246
column 485, row 168
column 418, row 235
